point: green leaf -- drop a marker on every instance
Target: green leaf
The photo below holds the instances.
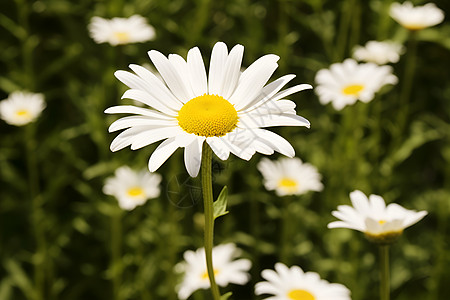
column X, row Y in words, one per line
column 227, row 295
column 220, row 205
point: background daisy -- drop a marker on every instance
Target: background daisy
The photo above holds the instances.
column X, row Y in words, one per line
column 289, row 176
column 132, row 188
column 380, row 53
column 371, row 215
column 21, row 108
column 345, row 83
column 293, row 284
column 226, row 269
column 119, row 31
column 416, row 17
column 228, row 110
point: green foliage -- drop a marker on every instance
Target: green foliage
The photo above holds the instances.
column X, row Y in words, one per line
column 88, row 249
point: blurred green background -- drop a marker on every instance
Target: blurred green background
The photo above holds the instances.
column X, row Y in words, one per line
column 45, row 47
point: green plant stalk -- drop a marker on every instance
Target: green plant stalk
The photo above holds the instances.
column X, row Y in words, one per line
column 344, row 27
column 285, row 231
column 209, row 216
column 116, row 252
column 384, row 272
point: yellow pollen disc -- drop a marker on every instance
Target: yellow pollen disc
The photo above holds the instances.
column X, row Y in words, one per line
column 381, row 222
column 208, row 115
column 205, row 275
column 23, row 113
column 122, row 37
column 288, row 184
column 353, row 89
column 300, row 295
column 135, row 191
column 414, row 27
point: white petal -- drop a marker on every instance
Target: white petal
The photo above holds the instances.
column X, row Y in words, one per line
column 197, row 72
column 181, row 66
column 130, row 109
column 232, row 71
column 162, row 153
column 132, row 121
column 147, row 99
column 193, row 157
column 217, row 68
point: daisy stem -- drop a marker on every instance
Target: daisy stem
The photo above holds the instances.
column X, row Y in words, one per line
column 384, row 272
column 285, row 231
column 116, row 263
column 209, row 216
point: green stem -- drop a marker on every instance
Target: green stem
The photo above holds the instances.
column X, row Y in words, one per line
column 344, row 26
column 285, row 232
column 384, row 272
column 116, row 252
column 209, row 216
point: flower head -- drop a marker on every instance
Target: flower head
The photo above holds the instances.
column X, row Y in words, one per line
column 228, row 109
column 293, row 284
column 380, row 223
column 345, row 83
column 132, row 188
column 380, row 53
column 226, row 269
column 21, row 108
column 289, row 176
column 119, row 31
column 418, row 17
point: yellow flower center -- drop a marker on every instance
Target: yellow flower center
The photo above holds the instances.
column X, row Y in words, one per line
column 205, row 275
column 23, row 113
column 381, row 222
column 288, row 184
column 353, row 89
column 135, row 191
column 208, row 115
column 122, row 37
column 300, row 295
column 414, row 27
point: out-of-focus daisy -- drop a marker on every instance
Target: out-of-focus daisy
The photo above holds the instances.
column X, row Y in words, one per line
column 228, row 110
column 289, row 176
column 380, row 223
column 416, row 18
column 118, row 31
column 226, row 269
column 132, row 188
column 293, row 284
column 345, row 83
column 379, row 52
column 21, row 108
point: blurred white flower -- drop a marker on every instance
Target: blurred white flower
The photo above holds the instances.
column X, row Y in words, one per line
column 227, row 110
column 380, row 223
column 293, row 284
column 118, row 31
column 345, row 83
column 380, row 53
column 132, row 188
column 416, row 18
column 289, row 176
column 21, row 108
column 226, row 269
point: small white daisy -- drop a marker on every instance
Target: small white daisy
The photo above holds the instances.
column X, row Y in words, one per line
column 289, row 176
column 226, row 269
column 380, row 53
column 119, row 31
column 227, row 109
column 293, row 284
column 21, row 108
column 132, row 188
column 345, row 83
column 418, row 17
column 380, row 223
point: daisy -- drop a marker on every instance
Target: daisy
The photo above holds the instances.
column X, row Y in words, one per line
column 119, row 31
column 21, row 108
column 380, row 53
column 416, row 18
column 228, row 109
column 289, row 176
column 293, row 284
column 226, row 269
column 345, row 83
column 380, row 223
column 132, row 188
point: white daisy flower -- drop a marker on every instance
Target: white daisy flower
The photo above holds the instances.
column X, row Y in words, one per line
column 289, row 176
column 380, row 53
column 418, row 17
column 119, row 31
column 21, row 108
column 345, row 83
column 293, row 284
column 132, row 188
column 228, row 110
column 380, row 223
column 226, row 269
